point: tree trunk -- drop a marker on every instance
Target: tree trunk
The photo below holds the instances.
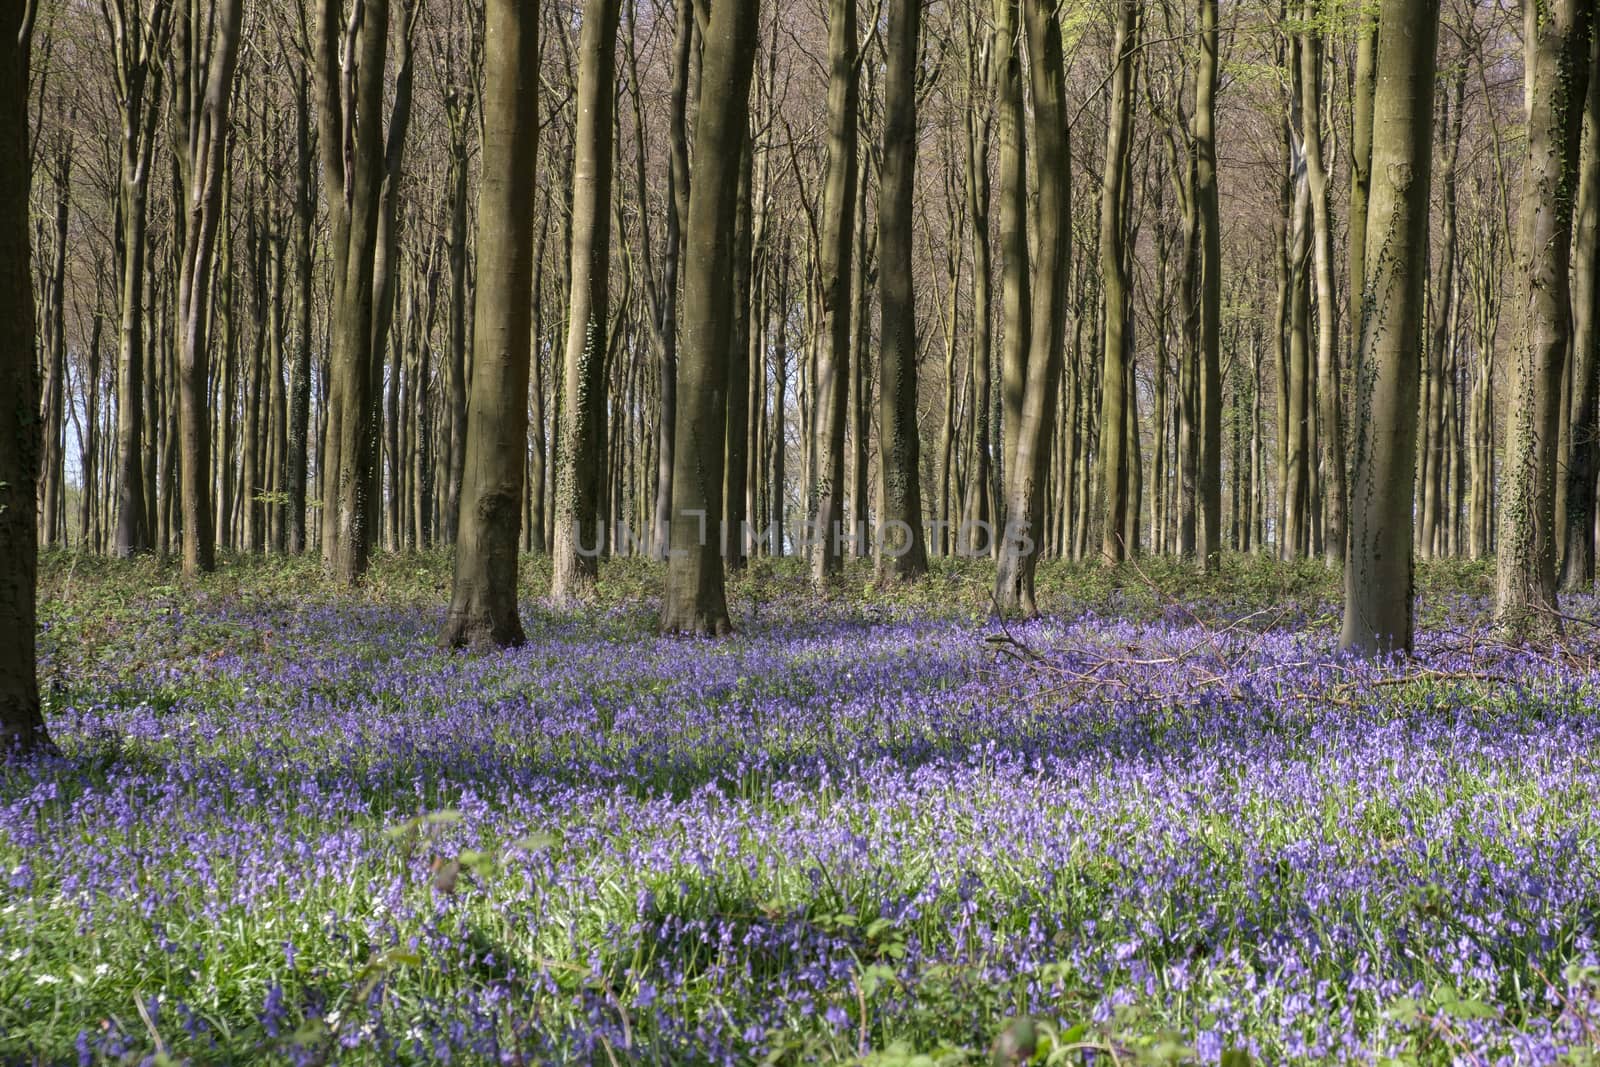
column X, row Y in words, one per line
column 483, row 607
column 1331, row 430
column 678, row 188
column 206, row 165
column 1115, row 476
column 139, row 37
column 305, row 209
column 1016, row 308
column 695, row 601
column 1378, row 573
column 21, row 722
column 1208, row 212
column 1578, row 567
column 1557, row 52
column 902, row 545
column 580, row 440
column 1028, row 468
column 979, row 511
column 835, row 260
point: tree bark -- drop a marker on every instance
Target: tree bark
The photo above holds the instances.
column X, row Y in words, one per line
column 1208, row 213
column 1378, row 573
column 483, row 607
column 207, row 157
column 1578, row 562
column 695, row 600
column 1028, row 468
column 835, row 260
column 1331, row 430
column 21, row 721
column 1016, row 306
column 1557, row 51
column 902, row 545
column 580, row 441
column 1115, row 476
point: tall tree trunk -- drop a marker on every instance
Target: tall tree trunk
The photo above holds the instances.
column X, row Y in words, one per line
column 695, row 600
column 305, row 210
column 1578, row 567
column 21, row 722
column 1378, row 574
column 207, row 151
column 731, row 521
column 1364, row 85
column 835, row 260
column 903, row 551
column 459, row 112
column 1208, row 212
column 52, row 468
column 678, row 187
column 980, row 508
column 1558, row 68
column 1016, row 307
column 1442, row 340
column 351, row 138
column 483, row 605
column 580, row 442
column 1028, row 468
column 139, row 36
column 1331, row 430
column 1115, row 475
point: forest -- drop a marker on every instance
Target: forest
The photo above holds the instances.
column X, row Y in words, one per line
column 896, row 532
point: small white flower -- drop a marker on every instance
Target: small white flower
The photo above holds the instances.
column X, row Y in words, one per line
column 46, row 979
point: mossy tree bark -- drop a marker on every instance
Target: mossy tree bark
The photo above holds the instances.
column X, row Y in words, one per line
column 483, row 607
column 695, row 600
column 1557, row 71
column 1577, row 568
column 21, row 723
column 1379, row 569
column 581, row 438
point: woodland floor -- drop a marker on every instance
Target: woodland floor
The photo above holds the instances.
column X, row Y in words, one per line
column 1167, row 821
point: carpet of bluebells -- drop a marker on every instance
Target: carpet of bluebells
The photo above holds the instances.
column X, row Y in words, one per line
column 285, row 827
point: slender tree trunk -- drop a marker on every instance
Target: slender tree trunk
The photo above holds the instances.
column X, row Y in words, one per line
column 483, row 606
column 1116, row 481
column 678, row 187
column 836, row 260
column 980, row 508
column 1378, row 574
column 580, row 442
column 1208, row 211
column 305, row 209
column 695, row 601
column 1331, row 430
